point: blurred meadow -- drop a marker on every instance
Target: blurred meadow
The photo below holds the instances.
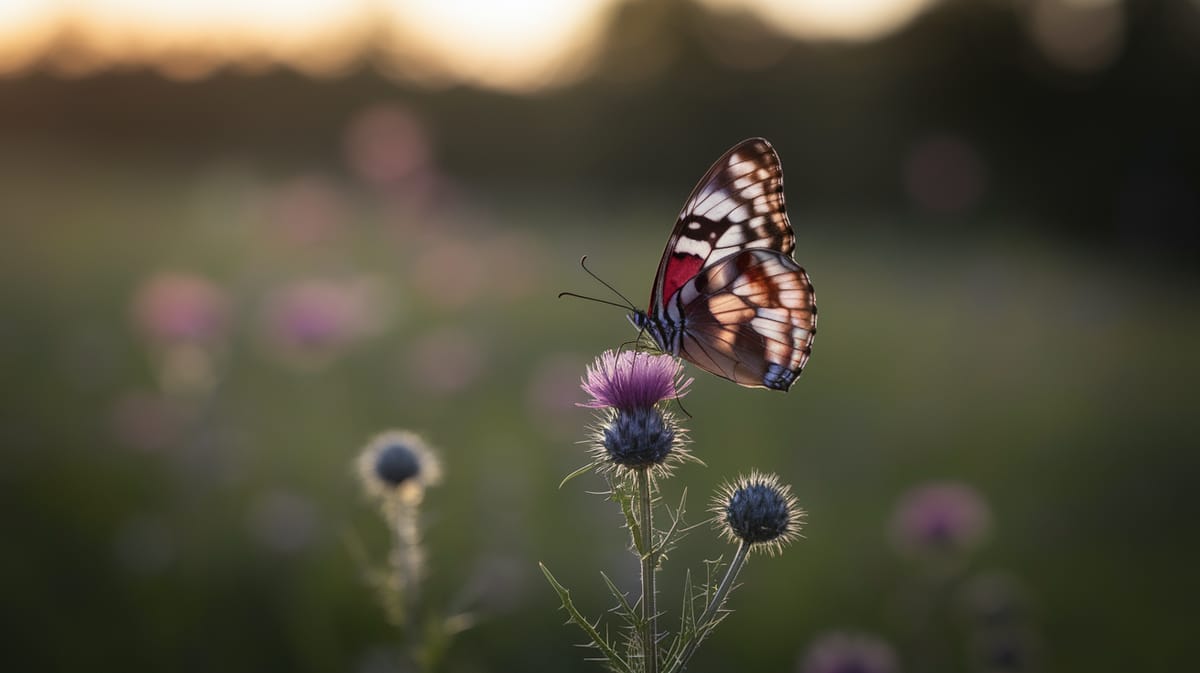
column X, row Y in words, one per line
column 240, row 241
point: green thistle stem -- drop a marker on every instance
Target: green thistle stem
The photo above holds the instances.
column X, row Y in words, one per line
column 406, row 560
column 705, row 624
column 649, row 602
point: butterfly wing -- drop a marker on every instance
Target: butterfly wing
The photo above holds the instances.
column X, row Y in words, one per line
column 738, row 204
column 751, row 318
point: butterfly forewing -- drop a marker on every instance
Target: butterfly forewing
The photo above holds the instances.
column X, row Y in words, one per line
column 738, row 204
column 727, row 292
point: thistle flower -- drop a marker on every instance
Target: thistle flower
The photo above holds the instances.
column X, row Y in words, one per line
column 633, row 380
column 849, row 653
column 632, row 431
column 940, row 518
column 398, row 466
column 757, row 511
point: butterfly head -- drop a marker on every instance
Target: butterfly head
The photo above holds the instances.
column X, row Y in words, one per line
column 647, row 325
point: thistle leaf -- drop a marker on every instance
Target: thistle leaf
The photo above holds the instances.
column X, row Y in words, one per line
column 576, row 473
column 609, row 655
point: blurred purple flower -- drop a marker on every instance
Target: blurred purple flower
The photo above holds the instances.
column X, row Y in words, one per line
column 173, row 308
column 320, row 318
column 633, row 380
column 839, row 652
column 939, row 518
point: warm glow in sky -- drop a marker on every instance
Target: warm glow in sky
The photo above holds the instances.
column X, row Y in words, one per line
column 831, row 19
column 517, row 40
column 514, row 44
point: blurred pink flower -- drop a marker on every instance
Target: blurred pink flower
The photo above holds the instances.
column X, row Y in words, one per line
column 839, row 652
column 306, row 210
column 446, row 360
column 940, row 518
column 173, row 308
column 387, row 146
column 316, row 319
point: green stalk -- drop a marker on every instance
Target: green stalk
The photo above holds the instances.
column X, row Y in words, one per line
column 649, row 602
column 710, row 612
column 406, row 560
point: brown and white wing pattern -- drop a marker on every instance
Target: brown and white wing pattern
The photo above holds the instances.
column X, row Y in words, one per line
column 751, row 318
column 738, row 204
column 728, row 296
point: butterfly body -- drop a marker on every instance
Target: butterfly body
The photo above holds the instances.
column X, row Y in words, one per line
column 728, row 296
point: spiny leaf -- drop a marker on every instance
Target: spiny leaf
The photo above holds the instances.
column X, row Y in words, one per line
column 623, row 608
column 666, row 543
column 598, row 641
column 576, row 473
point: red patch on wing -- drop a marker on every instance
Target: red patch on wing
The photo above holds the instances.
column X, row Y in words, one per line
column 681, row 268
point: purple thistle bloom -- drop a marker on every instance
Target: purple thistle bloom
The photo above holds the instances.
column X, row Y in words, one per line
column 849, row 653
column 633, row 380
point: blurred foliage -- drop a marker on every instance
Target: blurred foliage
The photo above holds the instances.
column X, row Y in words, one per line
column 1026, row 341
column 1109, row 154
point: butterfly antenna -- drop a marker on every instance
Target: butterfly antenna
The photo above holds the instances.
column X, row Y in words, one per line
column 583, row 263
column 599, row 301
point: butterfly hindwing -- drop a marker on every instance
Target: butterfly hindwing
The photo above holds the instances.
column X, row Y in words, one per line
column 750, row 318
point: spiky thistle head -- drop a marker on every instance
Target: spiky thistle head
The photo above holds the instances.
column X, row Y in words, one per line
column 398, row 466
column 759, row 511
column 633, row 431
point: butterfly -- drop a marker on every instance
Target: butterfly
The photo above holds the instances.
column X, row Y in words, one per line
column 728, row 297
